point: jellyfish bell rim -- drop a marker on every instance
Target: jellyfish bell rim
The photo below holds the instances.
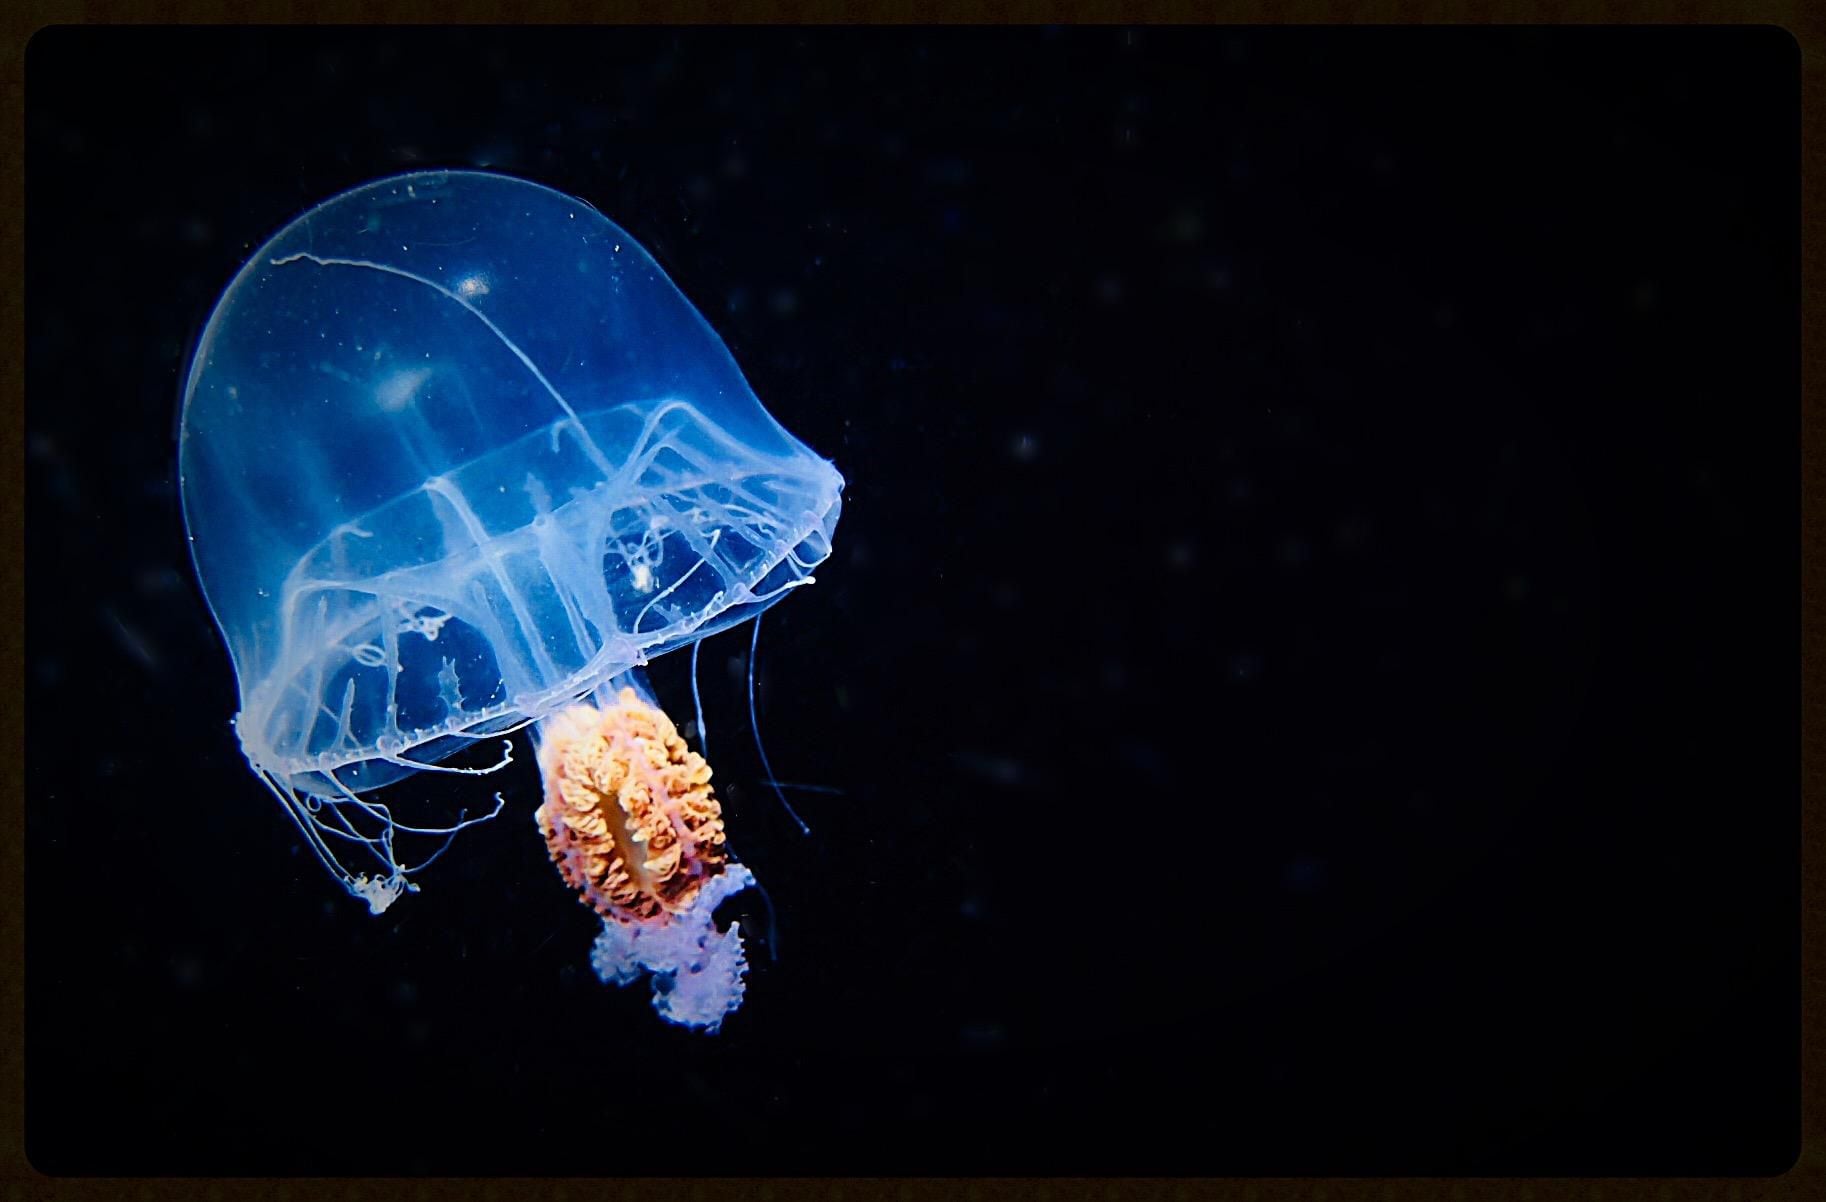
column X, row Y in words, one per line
column 317, row 775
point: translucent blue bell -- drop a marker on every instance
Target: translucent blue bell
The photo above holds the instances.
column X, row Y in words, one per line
column 454, row 453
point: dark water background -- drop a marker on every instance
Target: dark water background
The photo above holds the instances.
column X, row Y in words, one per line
column 1309, row 658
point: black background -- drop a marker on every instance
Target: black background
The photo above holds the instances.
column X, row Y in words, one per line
column 1308, row 659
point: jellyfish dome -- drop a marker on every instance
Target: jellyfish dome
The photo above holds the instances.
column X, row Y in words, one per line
column 455, row 453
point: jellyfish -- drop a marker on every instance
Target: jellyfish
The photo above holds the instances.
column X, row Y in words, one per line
column 456, row 458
